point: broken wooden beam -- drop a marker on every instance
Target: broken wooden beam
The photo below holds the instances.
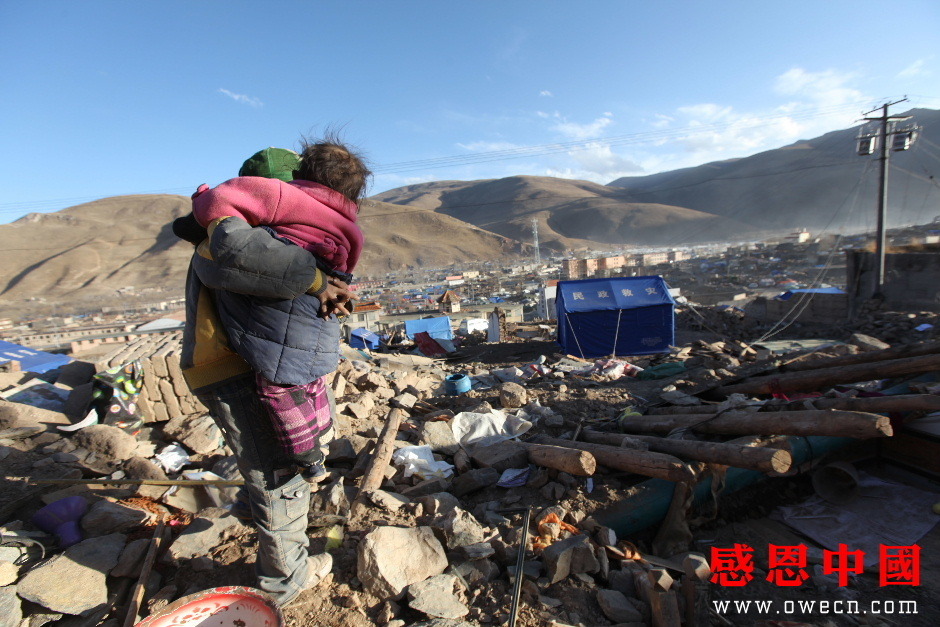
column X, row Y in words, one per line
column 573, row 461
column 644, row 463
column 812, row 380
column 810, row 422
column 740, row 456
column 895, row 352
column 870, row 404
column 381, row 458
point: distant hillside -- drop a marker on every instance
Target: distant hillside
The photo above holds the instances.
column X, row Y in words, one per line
column 570, row 213
column 92, row 250
column 811, row 183
column 399, row 237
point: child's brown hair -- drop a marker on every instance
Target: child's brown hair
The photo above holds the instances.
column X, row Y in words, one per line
column 331, row 163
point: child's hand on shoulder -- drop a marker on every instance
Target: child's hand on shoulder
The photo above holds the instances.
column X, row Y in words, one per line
column 335, row 298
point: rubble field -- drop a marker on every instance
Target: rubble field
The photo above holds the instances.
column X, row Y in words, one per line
column 428, row 490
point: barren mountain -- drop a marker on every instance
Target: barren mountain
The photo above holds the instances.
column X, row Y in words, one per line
column 570, row 213
column 816, row 183
column 89, row 251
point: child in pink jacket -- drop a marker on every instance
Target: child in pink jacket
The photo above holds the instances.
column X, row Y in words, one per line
column 317, row 210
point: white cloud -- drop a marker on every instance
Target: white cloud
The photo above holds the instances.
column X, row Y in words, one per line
column 546, row 93
column 705, row 113
column 827, row 88
column 662, row 121
column 251, row 101
column 590, row 130
column 816, row 102
column 598, row 163
column 915, row 70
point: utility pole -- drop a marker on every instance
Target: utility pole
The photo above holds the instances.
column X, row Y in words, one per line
column 535, row 243
column 866, row 147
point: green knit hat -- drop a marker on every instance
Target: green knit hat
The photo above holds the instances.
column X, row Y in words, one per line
column 272, row 163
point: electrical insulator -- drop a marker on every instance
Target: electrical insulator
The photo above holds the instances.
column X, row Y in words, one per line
column 903, row 140
column 867, row 145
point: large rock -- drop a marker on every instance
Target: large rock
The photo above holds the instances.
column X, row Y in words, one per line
column 200, row 434
column 617, row 607
column 107, row 442
column 106, row 517
column 23, row 415
column 74, row 581
column 142, row 468
column 569, row 557
column 437, row 597
column 9, row 572
column 439, row 436
column 202, row 534
column 132, row 559
column 388, row 500
column 474, row 480
column 867, row 343
column 371, row 381
column 461, row 528
column 11, row 611
column 438, row 503
column 512, row 395
column 392, row 558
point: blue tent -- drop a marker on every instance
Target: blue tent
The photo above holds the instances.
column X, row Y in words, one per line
column 363, row 338
column 616, row 316
column 438, row 328
column 31, row 359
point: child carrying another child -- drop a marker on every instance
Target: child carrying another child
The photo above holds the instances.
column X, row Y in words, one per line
column 309, row 200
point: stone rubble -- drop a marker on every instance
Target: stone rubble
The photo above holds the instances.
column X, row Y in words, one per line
column 437, row 549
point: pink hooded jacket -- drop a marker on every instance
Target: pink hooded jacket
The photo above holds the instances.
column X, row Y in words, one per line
column 311, row 215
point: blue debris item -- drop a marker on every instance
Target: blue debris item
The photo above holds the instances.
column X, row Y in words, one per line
column 815, row 290
column 616, row 316
column 456, row 384
column 31, row 360
column 61, row 518
column 364, row 338
column 438, row 328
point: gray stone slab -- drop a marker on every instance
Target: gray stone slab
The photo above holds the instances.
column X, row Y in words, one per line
column 74, row 582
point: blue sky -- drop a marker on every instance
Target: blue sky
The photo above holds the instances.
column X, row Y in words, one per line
column 107, row 98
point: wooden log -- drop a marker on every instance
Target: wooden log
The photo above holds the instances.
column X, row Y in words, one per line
column 137, row 596
column 895, row 352
column 644, row 463
column 883, row 404
column 681, row 409
column 572, row 461
column 740, row 456
column 822, row 378
column 811, row 422
column 872, row 404
column 384, row 448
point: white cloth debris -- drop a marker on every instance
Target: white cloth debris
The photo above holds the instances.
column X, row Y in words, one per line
column 419, row 460
column 496, row 426
column 172, row 458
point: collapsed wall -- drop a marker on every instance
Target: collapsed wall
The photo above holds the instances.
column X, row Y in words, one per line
column 165, row 394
